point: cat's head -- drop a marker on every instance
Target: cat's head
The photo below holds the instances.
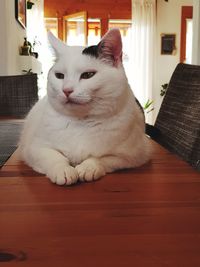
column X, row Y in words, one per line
column 87, row 81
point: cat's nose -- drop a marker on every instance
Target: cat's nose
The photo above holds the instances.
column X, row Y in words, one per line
column 67, row 91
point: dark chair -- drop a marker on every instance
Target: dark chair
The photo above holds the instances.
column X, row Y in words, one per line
column 17, row 94
column 177, row 126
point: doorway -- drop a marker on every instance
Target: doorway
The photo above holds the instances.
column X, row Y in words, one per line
column 186, row 35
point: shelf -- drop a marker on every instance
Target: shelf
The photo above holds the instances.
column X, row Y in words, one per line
column 30, row 62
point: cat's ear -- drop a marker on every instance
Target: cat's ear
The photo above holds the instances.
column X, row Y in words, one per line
column 110, row 47
column 56, row 44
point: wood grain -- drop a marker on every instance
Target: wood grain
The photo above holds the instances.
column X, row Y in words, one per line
column 149, row 216
column 113, row 9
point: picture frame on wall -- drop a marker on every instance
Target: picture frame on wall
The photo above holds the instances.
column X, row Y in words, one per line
column 168, row 44
column 20, row 12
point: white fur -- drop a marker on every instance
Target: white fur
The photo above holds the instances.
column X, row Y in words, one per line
column 100, row 132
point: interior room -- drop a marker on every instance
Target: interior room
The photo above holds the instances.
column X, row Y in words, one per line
column 145, row 209
column 170, row 18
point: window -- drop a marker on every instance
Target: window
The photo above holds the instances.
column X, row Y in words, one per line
column 51, row 24
column 188, row 58
column 94, row 31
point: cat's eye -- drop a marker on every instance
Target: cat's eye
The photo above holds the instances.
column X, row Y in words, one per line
column 87, row 74
column 59, row 75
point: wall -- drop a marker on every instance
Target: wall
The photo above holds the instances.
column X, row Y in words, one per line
column 103, row 9
column 12, row 35
column 168, row 21
column 3, row 43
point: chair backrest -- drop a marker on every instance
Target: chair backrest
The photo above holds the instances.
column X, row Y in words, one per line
column 17, row 94
column 178, row 120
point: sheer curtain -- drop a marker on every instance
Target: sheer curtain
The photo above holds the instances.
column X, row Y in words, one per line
column 36, row 33
column 143, row 40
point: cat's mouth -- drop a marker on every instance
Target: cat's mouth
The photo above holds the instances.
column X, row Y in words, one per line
column 74, row 101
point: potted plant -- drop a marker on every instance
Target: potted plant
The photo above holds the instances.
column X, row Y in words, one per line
column 29, row 4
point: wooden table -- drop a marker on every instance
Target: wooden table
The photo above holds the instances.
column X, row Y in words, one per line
column 146, row 217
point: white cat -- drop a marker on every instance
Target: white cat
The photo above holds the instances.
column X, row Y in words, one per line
column 89, row 123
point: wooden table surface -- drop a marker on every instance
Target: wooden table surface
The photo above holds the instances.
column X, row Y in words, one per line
column 148, row 217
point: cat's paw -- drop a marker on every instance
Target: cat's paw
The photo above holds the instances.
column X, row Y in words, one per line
column 63, row 174
column 90, row 170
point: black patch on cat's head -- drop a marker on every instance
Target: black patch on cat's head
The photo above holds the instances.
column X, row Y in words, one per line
column 91, row 51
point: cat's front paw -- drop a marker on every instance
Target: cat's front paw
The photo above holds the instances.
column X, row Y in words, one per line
column 90, row 170
column 63, row 174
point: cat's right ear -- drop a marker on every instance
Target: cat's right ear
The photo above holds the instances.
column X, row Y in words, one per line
column 110, row 47
column 56, row 44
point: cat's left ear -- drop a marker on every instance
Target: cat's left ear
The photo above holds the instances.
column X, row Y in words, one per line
column 56, row 44
column 110, row 47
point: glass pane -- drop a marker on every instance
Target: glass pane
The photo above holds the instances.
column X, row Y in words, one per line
column 94, row 31
column 188, row 41
column 75, row 29
column 51, row 24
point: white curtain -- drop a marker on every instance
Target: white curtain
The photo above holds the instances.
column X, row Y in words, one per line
column 36, row 32
column 143, row 40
